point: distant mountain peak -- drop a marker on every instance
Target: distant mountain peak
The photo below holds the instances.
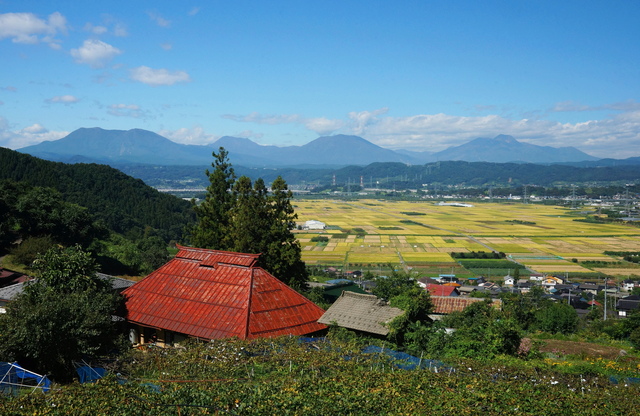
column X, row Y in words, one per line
column 505, row 139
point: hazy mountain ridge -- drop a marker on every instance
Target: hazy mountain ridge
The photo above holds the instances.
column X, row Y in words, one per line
column 142, row 146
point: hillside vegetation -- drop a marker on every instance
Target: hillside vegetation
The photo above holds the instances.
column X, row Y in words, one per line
column 286, row 377
column 123, row 203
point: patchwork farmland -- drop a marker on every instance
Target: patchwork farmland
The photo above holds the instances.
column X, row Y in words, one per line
column 369, row 234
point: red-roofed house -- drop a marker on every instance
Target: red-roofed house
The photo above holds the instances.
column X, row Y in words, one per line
column 442, row 290
column 444, row 305
column 210, row 294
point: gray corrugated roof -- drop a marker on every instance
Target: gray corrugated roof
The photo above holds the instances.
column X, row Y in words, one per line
column 361, row 312
column 10, row 292
column 116, row 282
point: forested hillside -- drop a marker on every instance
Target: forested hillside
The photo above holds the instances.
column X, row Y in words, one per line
column 400, row 175
column 125, row 205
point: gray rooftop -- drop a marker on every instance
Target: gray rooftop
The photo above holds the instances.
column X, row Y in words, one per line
column 361, row 312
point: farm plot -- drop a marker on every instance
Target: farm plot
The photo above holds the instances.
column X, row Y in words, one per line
column 544, row 238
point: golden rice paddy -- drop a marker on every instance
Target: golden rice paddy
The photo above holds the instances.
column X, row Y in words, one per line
column 545, row 238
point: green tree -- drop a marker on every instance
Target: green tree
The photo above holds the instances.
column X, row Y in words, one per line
column 240, row 216
column 482, row 331
column 282, row 251
column 66, row 313
column 557, row 317
column 213, row 220
column 397, row 283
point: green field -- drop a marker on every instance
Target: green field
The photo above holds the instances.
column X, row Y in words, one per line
column 420, row 235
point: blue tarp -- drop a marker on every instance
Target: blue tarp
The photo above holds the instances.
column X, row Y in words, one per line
column 407, row 362
column 14, row 377
column 89, row 374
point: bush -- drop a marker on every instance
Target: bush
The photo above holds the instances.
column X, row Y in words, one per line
column 30, row 248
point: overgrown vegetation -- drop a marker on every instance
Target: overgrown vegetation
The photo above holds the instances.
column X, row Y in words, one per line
column 283, row 376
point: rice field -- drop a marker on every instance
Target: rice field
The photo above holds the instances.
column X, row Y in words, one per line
column 420, row 235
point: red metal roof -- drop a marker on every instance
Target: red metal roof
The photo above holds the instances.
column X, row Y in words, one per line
column 441, row 290
column 215, row 294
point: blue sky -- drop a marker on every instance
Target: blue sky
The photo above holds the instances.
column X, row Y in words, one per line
column 419, row 75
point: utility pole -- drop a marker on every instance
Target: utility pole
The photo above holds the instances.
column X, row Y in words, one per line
column 605, row 299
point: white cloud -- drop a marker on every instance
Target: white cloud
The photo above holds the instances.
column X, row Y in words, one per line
column 27, row 136
column 30, row 29
column 126, row 110
column 157, row 77
column 95, row 53
column 120, row 30
column 9, row 88
column 194, row 11
column 194, row 135
column 96, row 30
column 63, row 99
column 158, row 19
column 320, row 125
column 617, row 136
column 166, row 46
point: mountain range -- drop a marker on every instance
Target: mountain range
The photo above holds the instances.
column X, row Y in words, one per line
column 139, row 146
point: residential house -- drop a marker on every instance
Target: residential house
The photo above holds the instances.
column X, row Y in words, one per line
column 360, row 312
column 8, row 293
column 211, row 294
column 537, row 277
column 467, row 289
column 628, row 285
column 424, row 281
column 9, row 277
column 550, row 281
column 627, row 305
column 509, row 280
column 444, row 305
column 590, row 288
column 442, row 290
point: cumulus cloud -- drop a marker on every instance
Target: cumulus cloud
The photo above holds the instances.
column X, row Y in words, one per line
column 63, row 99
column 157, row 77
column 34, row 134
column 30, row 29
column 95, row 53
column 616, row 136
column 158, row 19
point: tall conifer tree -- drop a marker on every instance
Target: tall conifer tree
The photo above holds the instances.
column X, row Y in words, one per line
column 212, row 228
column 239, row 216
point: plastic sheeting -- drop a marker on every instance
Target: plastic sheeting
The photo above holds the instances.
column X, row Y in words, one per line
column 13, row 377
column 89, row 374
column 408, row 362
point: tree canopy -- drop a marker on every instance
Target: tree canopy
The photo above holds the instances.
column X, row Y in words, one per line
column 238, row 215
column 65, row 314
